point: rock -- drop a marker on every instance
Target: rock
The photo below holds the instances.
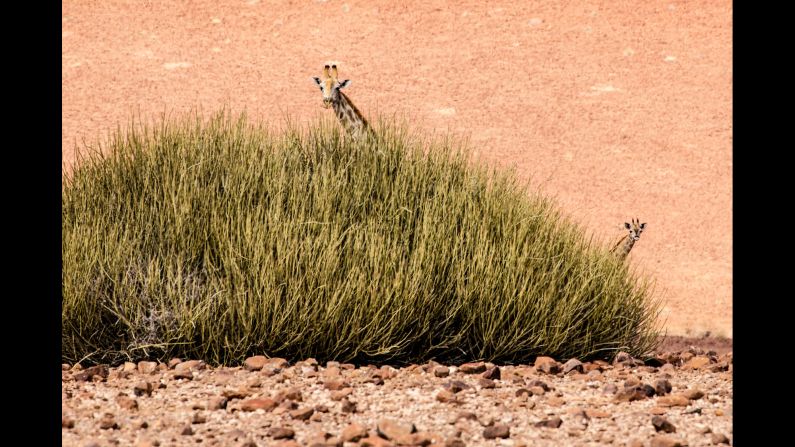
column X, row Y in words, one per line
column 67, row 422
column 322, row 439
column 174, row 362
column 496, row 431
column 662, row 424
column 127, row 403
column 665, row 441
column 108, row 422
column 648, row 390
column 441, row 371
column 675, row 400
column 473, row 368
column 302, row 414
column 255, row 363
column 424, row 439
column 353, row 433
column 622, row 357
column 217, row 403
column 258, row 404
column 87, row 374
column 386, row 372
column 486, row 383
column 719, row 438
column 198, row 418
column 554, row 422
column 456, row 386
column 287, row 443
column 232, row 394
column 492, row 373
column 145, row 367
column 693, row 394
column 191, row 365
column 187, row 431
column 377, row 380
column 184, row 374
column 631, row 381
column 454, row 442
column 445, row 396
column 658, row 411
column 143, row 388
column 348, row 406
column 341, row 394
column 718, row 367
column 632, row 393
column 547, row 365
column 392, row 428
column 573, row 365
column 537, row 391
column 525, row 391
column 374, row 441
column 335, row 385
column 466, row 415
column 610, row 388
column 293, row 394
column 598, row 414
column 697, row 362
column 655, row 362
column 141, row 425
column 540, row 383
column 662, row 387
column 281, row 433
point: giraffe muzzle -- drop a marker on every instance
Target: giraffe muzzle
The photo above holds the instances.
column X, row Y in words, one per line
column 326, row 103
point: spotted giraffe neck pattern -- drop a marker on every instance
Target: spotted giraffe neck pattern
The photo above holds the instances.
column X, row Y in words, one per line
column 626, row 248
column 350, row 117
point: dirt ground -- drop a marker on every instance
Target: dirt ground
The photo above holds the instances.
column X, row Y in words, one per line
column 619, row 109
column 685, row 399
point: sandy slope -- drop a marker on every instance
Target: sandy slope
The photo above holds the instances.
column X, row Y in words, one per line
column 620, row 109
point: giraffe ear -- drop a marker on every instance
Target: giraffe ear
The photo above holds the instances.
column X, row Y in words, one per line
column 643, row 225
column 318, row 81
column 627, row 226
column 344, row 83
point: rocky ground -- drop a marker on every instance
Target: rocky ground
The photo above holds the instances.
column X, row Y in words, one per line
column 678, row 398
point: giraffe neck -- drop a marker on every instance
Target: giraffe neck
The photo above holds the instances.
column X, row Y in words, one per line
column 350, row 117
column 630, row 242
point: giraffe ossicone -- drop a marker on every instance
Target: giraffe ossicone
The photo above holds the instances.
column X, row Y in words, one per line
column 349, row 116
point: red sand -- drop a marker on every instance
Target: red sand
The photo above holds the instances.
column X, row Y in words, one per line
column 619, row 109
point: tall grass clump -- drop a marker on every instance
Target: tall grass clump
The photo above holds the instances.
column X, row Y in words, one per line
column 218, row 239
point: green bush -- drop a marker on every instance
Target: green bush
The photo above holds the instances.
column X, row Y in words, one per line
column 218, row 239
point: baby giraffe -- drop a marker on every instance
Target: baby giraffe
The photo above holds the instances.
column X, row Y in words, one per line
column 629, row 240
column 350, row 117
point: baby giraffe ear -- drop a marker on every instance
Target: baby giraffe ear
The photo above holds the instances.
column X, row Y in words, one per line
column 317, row 81
column 627, row 226
column 345, row 83
column 643, row 225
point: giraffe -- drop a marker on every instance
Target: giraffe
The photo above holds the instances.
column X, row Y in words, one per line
column 350, row 117
column 629, row 240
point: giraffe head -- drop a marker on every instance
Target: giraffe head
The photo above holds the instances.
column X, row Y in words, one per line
column 330, row 86
column 635, row 228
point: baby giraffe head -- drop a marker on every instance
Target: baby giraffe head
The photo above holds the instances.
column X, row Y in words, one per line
column 635, row 228
column 330, row 86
